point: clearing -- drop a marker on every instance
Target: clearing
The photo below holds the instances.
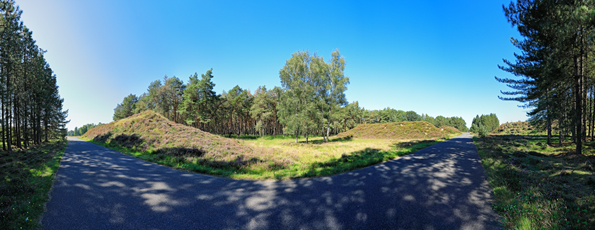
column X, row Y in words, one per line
column 152, row 137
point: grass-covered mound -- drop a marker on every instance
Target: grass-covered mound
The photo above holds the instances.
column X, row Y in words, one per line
column 151, row 137
column 160, row 140
column 406, row 130
column 516, row 128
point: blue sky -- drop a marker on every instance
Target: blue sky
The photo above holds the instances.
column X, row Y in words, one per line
column 433, row 57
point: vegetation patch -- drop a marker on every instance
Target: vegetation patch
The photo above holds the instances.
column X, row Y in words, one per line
column 406, row 130
column 537, row 186
column 27, row 177
column 150, row 136
column 516, row 128
column 166, row 141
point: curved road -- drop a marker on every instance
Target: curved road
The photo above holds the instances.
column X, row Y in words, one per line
column 440, row 187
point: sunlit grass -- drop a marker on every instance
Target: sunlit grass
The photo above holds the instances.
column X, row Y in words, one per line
column 319, row 151
column 316, row 158
column 537, row 186
column 27, row 177
column 151, row 137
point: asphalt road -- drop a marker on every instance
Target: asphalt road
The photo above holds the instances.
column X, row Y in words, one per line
column 440, row 187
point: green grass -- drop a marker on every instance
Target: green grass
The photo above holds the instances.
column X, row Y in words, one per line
column 27, row 177
column 537, row 186
column 308, row 160
column 152, row 137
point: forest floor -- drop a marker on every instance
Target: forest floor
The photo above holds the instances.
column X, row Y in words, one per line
column 27, row 177
column 537, row 186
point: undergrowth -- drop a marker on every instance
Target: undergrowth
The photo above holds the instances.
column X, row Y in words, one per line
column 27, row 177
column 537, row 186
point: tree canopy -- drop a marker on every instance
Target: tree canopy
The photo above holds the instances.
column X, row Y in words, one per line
column 554, row 67
column 31, row 107
column 310, row 101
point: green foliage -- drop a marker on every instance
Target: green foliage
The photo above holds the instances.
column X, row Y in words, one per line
column 127, row 108
column 264, row 108
column 535, row 185
column 554, row 67
column 27, row 177
column 81, row 131
column 297, row 108
column 490, row 123
column 31, row 103
column 199, row 99
column 313, row 93
column 311, row 102
column 391, row 115
column 482, row 130
column 412, row 116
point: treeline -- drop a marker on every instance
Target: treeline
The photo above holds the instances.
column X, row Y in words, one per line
column 80, row 131
column 556, row 65
column 391, row 115
column 484, row 124
column 31, row 108
column 310, row 101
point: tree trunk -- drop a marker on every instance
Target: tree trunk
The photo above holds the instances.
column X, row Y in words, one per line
column 578, row 107
column 548, row 118
column 592, row 123
column 8, row 117
column 307, row 137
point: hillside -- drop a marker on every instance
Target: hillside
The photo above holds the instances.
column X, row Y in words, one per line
column 518, row 128
column 149, row 131
column 400, row 130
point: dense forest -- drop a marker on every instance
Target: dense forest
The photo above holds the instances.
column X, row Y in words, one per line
column 310, row 101
column 555, row 66
column 31, row 107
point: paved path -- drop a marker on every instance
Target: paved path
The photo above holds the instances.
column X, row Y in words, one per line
column 440, row 187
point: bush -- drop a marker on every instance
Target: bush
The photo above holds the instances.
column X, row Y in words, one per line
column 482, row 130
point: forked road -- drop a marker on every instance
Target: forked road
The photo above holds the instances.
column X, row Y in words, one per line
column 440, row 187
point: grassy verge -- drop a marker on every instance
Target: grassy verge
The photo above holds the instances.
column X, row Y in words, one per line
column 537, row 186
column 27, row 177
column 316, row 158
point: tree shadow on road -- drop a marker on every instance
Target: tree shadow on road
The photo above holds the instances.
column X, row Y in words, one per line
column 440, row 187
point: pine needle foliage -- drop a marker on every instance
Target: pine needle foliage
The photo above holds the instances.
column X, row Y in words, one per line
column 30, row 105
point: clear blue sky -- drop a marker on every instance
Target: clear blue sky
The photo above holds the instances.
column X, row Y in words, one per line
column 433, row 57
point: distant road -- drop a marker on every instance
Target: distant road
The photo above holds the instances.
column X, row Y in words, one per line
column 439, row 187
